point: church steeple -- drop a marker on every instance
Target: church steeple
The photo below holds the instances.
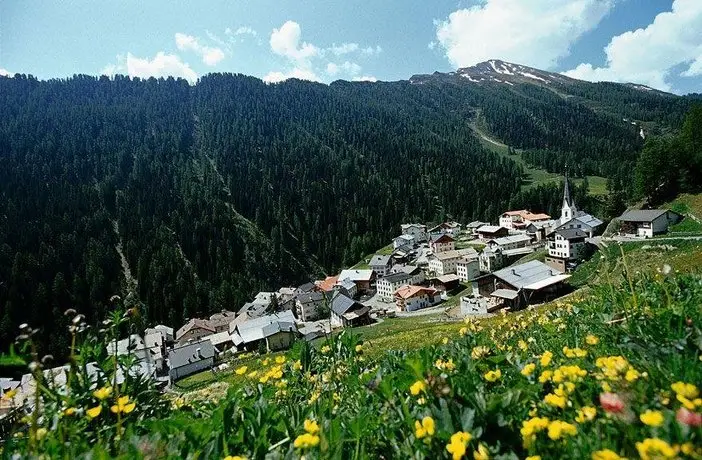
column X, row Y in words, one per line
column 566, row 192
column 568, row 209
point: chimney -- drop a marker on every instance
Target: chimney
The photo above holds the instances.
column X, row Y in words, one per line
column 198, row 353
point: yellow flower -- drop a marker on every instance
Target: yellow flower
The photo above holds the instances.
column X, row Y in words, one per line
column 298, row 365
column 592, row 340
column 585, row 414
column 558, row 428
column 531, row 427
column 555, row 400
column 69, row 411
column 445, row 340
column 266, row 361
column 631, row 375
column 457, row 446
column 482, row 453
column 425, row 428
column 93, row 412
column 574, row 352
column 463, row 331
column 522, row 345
column 9, row 394
column 325, row 349
column 252, row 374
column 103, row 393
column 306, row 440
column 652, row 418
column 123, row 405
column 445, row 365
column 606, row 454
column 235, row 457
column 528, row 369
column 479, row 352
column 359, row 348
column 417, row 387
column 311, row 426
column 655, row 449
column 280, row 359
column 41, row 433
column 493, row 376
column 242, row 370
column 545, row 376
column 686, row 390
column 546, row 358
column 533, row 457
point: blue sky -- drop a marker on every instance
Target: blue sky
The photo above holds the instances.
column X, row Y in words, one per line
column 653, row 42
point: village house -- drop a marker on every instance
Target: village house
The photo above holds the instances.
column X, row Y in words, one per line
column 509, row 242
column 403, row 242
column 311, row 306
column 418, row 232
column 364, row 279
column 387, row 286
column 472, row 228
column 520, row 285
column 489, row 232
column 190, row 359
column 327, row 285
column 411, row 298
column 381, row 264
column 304, row 288
column 165, row 331
column 347, row 287
column 451, row 228
column 537, row 231
column 286, row 298
column 467, row 268
column 346, row 312
column 416, row 274
column 490, row 260
column 445, row 282
column 194, row 329
column 220, row 321
column 564, row 247
column 135, row 346
column 442, row 243
column 222, row 341
column 443, row 263
column 255, row 333
column 573, row 218
column 648, row 222
column 520, row 220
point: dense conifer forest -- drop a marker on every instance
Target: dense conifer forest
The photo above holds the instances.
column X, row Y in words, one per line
column 192, row 198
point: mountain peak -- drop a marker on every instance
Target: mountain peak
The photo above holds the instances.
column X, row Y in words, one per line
column 498, row 71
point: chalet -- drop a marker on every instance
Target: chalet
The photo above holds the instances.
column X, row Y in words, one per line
column 135, row 346
column 194, row 329
column 286, row 298
column 381, row 264
column 411, row 298
column 442, row 243
column 363, row 279
column 190, row 359
column 451, row 228
column 648, row 222
column 443, row 263
column 467, row 268
column 565, row 246
column 222, row 341
column 472, row 227
column 530, row 282
column 346, row 312
column 165, row 331
column 304, row 288
column 416, row 274
column 254, row 333
column 220, row 321
column 404, row 242
column 346, row 287
column 156, row 344
column 445, row 282
column 490, row 260
column 418, row 232
column 387, row 286
column 537, row 231
column 311, row 306
column 489, row 232
column 519, row 220
column 509, row 242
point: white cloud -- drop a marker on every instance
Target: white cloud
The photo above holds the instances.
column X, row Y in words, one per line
column 344, row 48
column 244, row 30
column 371, row 50
column 302, row 74
column 648, row 55
column 286, row 42
column 532, row 32
column 162, row 65
column 211, row 56
column 332, row 69
column 4, row 73
column 365, row 78
column 350, row 68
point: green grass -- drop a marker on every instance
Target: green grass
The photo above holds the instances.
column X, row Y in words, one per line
column 691, row 207
column 539, row 255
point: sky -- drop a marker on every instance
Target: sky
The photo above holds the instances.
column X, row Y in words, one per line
column 652, row 42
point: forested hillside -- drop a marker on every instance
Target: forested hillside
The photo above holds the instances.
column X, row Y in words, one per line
column 192, row 198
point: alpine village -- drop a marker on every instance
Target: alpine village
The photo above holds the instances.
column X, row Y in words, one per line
column 237, row 269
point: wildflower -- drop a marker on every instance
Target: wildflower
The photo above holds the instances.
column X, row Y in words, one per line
column 655, row 449
column 311, row 426
column 280, row 359
column 592, row 339
column 463, row 331
column 242, row 370
column 298, row 365
column 652, row 418
column 568, row 374
column 631, row 375
column 252, row 374
column 235, row 457
column 574, row 352
column 493, row 376
column 546, row 358
column 534, row 457
column 103, row 393
column 425, row 428
column 555, row 400
column 9, row 394
column 325, row 349
column 457, row 446
column 585, row 414
column 445, row 340
column 528, row 369
column 123, row 405
column 558, row 428
column 482, row 453
column 612, row 403
column 359, row 348
column 421, row 401
column 479, row 352
column 606, row 454
column 531, row 427
column 687, row 417
column 306, row 441
column 545, row 376
column 445, row 365
column 266, row 361
column 686, row 390
column 41, row 433
column 69, row 411
column 522, row 345
column 417, row 387
column 93, row 412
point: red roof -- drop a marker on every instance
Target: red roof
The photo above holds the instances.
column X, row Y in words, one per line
column 443, row 239
column 328, row 283
column 409, row 291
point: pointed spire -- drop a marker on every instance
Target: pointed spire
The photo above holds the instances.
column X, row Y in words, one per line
column 566, row 192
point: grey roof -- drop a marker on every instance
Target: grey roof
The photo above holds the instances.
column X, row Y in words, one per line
column 490, row 229
column 589, row 220
column 456, row 253
column 341, row 304
column 523, row 275
column 380, row 260
column 643, row 215
column 346, row 284
column 571, row 233
column 511, row 239
column 394, row 278
column 310, row 297
column 187, row 354
column 356, row 275
column 252, row 330
column 307, row 287
column 476, row 224
column 282, row 326
column 505, row 294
